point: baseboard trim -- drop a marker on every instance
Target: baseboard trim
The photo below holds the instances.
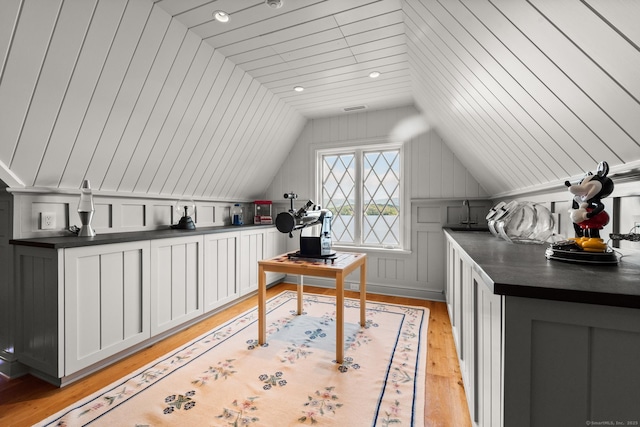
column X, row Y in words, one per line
column 12, row 368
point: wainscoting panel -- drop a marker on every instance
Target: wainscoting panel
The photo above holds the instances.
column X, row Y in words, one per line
column 134, row 214
column 430, row 247
column 103, row 216
column 429, row 215
column 113, row 214
column 60, row 210
column 206, row 215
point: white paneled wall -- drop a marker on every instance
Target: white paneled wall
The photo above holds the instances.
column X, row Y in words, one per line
column 434, row 178
column 113, row 213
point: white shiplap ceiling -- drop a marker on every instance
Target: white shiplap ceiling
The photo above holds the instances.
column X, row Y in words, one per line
column 156, row 98
column 328, row 47
column 526, row 93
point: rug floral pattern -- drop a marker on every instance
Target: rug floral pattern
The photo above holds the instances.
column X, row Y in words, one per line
column 224, row 378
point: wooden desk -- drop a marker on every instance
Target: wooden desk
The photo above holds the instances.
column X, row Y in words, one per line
column 345, row 264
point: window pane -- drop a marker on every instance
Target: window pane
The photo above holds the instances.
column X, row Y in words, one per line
column 370, row 214
column 381, row 198
column 338, row 195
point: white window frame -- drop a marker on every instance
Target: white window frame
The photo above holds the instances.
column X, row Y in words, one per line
column 358, row 148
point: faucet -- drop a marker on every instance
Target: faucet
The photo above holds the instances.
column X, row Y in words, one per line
column 467, row 221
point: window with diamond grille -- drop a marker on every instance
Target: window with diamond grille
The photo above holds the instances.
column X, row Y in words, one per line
column 362, row 188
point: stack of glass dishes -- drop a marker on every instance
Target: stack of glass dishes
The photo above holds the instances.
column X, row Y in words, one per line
column 521, row 222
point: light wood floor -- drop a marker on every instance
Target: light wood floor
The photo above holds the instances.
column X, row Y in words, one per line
column 27, row 400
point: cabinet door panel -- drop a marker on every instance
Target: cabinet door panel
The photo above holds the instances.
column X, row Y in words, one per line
column 133, row 318
column 111, row 297
column 193, row 277
column 449, row 294
column 86, row 286
column 251, row 251
column 275, row 245
column 176, row 281
column 226, row 276
column 488, row 383
column 106, row 301
column 468, row 336
column 220, row 269
column 457, row 301
column 161, row 279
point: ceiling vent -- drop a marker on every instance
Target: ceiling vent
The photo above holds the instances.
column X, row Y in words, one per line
column 355, row 108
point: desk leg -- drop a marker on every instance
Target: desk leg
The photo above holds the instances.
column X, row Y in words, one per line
column 300, row 293
column 340, row 318
column 363, row 293
column 262, row 309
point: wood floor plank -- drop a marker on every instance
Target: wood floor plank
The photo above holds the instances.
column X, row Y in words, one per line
column 27, row 400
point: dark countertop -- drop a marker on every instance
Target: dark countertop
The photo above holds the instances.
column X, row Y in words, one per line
column 523, row 270
column 72, row 241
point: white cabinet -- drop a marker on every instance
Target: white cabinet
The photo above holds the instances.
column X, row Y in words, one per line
column 476, row 319
column 176, row 281
column 79, row 306
column 532, row 361
column 106, row 301
column 221, row 255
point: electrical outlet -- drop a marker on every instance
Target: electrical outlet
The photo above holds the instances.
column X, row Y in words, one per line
column 47, row 221
column 354, row 286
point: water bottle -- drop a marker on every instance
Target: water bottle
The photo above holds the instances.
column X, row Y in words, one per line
column 236, row 214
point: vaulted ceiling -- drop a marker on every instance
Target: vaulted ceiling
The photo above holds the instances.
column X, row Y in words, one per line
column 326, row 47
column 158, row 98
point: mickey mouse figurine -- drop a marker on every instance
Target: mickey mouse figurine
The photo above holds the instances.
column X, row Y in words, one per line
column 587, row 213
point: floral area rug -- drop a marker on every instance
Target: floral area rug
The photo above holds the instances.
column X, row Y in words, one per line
column 224, row 378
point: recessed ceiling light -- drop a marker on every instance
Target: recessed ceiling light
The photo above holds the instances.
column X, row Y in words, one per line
column 298, row 88
column 221, row 16
column 374, row 74
column 274, row 4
